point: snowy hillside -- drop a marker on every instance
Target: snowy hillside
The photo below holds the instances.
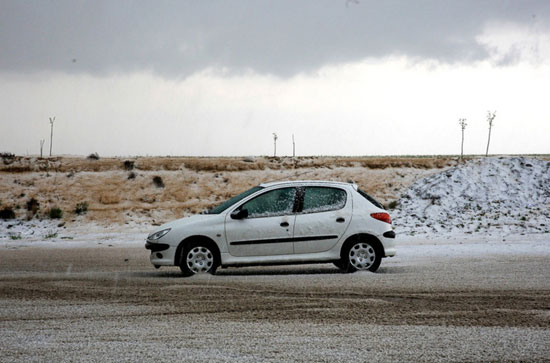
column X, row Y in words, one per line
column 488, row 195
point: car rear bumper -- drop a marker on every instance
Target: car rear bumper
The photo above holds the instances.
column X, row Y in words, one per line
column 388, row 241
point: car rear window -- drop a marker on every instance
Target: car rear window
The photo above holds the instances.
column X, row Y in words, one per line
column 322, row 199
column 370, row 199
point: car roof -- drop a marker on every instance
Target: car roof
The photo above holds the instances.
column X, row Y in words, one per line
column 308, row 182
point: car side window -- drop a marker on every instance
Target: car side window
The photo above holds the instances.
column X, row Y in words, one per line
column 322, row 199
column 273, row 203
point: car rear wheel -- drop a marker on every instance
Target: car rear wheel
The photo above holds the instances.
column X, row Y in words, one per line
column 197, row 258
column 360, row 256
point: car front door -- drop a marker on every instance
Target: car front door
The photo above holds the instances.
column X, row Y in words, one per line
column 268, row 227
column 322, row 219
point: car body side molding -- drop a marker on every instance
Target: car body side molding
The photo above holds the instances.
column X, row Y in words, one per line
column 283, row 240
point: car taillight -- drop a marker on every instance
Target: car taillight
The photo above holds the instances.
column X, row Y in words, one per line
column 384, row 217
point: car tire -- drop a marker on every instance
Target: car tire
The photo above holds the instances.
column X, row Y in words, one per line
column 360, row 256
column 198, row 258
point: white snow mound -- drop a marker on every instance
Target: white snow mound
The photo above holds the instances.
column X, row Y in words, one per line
column 502, row 195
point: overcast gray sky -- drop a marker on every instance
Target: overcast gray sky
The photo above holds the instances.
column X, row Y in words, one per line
column 218, row 77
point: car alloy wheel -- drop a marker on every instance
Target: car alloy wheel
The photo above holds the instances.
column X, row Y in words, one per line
column 199, row 259
column 362, row 256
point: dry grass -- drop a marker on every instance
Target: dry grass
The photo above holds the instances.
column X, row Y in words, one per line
column 19, row 164
column 191, row 184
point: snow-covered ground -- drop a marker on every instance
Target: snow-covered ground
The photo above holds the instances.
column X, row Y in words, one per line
column 450, row 299
column 51, row 233
column 485, row 197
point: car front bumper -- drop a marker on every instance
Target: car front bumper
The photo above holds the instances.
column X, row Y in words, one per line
column 162, row 254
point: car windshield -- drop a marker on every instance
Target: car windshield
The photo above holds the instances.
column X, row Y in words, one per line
column 370, row 199
column 228, row 203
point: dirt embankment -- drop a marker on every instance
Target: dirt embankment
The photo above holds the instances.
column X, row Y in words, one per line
column 154, row 190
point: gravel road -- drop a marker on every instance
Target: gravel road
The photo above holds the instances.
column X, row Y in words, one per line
column 435, row 301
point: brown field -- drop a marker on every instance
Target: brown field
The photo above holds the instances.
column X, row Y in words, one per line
column 122, row 189
column 190, row 184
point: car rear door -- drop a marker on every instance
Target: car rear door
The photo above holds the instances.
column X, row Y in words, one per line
column 322, row 218
column 268, row 229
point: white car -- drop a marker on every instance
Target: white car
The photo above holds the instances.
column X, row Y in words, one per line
column 291, row 222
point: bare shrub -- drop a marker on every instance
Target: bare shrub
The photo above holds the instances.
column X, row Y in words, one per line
column 157, row 180
column 392, row 204
column 32, row 206
column 81, row 208
column 7, row 213
column 55, row 213
column 7, row 158
column 129, row 164
column 6, row 155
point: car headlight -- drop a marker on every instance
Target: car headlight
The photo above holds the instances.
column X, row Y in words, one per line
column 158, row 235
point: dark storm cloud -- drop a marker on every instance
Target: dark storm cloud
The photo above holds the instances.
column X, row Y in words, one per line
column 277, row 37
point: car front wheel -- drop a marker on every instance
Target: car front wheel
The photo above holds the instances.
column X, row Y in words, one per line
column 360, row 256
column 197, row 258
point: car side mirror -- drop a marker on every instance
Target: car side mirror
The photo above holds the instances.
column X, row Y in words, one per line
column 239, row 214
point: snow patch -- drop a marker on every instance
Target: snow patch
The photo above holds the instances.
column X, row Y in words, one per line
column 51, row 233
column 500, row 195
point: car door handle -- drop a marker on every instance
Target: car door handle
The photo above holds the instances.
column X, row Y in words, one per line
column 340, row 220
column 284, row 224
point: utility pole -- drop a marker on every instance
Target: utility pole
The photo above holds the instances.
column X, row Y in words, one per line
column 462, row 123
column 51, row 134
column 41, row 146
column 293, row 147
column 490, row 118
column 275, row 144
